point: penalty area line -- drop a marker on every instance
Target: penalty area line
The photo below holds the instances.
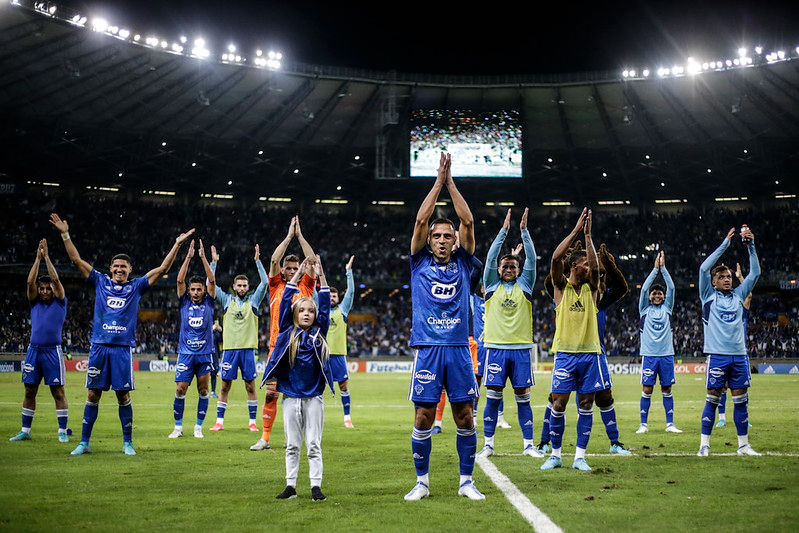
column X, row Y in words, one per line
column 534, row 516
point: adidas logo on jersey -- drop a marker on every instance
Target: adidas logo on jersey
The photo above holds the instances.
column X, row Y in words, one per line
column 577, row 306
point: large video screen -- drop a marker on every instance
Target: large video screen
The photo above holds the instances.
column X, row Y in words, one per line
column 482, row 144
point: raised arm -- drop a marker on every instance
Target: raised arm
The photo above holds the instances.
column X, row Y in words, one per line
column 705, row 283
column 593, row 259
column 421, row 227
column 614, row 278
column 158, row 272
column 323, row 316
column 740, row 276
column 32, row 288
column 556, row 265
column 466, row 228
column 280, row 250
column 63, row 228
column 263, row 285
column 307, row 251
column 58, row 288
column 184, row 269
column 528, row 270
column 210, row 276
column 222, row 297
column 748, row 284
column 669, row 301
column 349, row 296
column 490, row 274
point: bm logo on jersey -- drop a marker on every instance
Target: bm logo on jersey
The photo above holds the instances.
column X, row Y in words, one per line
column 196, row 321
column 443, row 291
column 658, row 326
column 115, row 303
column 728, row 317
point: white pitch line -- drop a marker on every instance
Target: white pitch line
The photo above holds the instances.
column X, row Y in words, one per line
column 534, row 516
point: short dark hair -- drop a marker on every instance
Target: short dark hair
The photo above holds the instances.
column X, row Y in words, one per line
column 442, row 220
column 290, row 259
column 576, row 256
column 719, row 268
column 241, row 277
column 44, row 279
column 196, row 279
column 511, row 256
column 657, row 287
column 123, row 257
column 333, row 289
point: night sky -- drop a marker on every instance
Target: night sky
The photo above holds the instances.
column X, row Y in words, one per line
column 449, row 38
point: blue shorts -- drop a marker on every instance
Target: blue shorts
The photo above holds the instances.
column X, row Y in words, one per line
column 481, row 359
column 721, row 369
column 502, row 365
column 655, row 367
column 110, row 367
column 190, row 365
column 232, row 360
column 43, row 362
column 338, row 365
column 437, row 367
column 578, row 371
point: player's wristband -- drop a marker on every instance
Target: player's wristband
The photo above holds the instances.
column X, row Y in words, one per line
column 65, row 235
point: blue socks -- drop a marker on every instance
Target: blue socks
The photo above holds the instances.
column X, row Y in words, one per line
column 202, row 409
column 466, row 444
column 709, row 414
column 421, row 446
column 646, row 403
column 491, row 412
column 740, row 413
column 62, row 415
column 345, row 402
column 557, row 424
column 126, row 418
column 545, row 423
column 608, row 415
column 89, row 418
column 668, row 406
column 177, row 409
column 525, row 415
column 585, row 420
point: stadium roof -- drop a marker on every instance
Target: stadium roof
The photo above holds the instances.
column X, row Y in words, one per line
column 91, row 109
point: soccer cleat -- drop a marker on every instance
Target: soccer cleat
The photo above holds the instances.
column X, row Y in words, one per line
column 580, row 464
column 20, row 436
column 704, row 451
column 198, row 433
column 81, row 448
column 127, row 448
column 260, row 445
column 214, row 395
column 642, row 428
column 177, row 432
column 317, row 495
column 531, row 451
column 217, row 427
column 470, row 491
column 618, row 448
column 543, row 447
column 721, row 423
column 552, row 462
column 253, row 427
column 487, row 451
column 63, row 437
column 671, row 428
column 418, row 492
column 501, row 423
column 288, row 493
column 746, row 449
column 436, row 430
column 348, row 424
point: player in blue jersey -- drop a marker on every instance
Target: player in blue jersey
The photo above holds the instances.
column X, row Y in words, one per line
column 239, row 338
column 116, row 304
column 44, row 359
column 725, row 343
column 440, row 289
column 196, row 341
column 657, row 343
column 337, row 338
column 508, row 333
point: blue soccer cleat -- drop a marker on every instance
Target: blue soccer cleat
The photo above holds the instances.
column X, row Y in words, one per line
column 20, row 436
column 721, row 423
column 63, row 436
column 127, row 448
column 543, row 447
column 436, row 430
column 551, row 463
column 619, row 449
column 81, row 448
column 580, row 464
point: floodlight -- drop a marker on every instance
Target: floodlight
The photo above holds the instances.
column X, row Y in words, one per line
column 231, row 48
column 124, row 33
column 183, row 39
column 625, row 73
column 199, row 43
column 632, row 73
column 99, row 24
column 781, row 54
column 758, row 50
column 742, row 52
column 645, row 72
column 259, row 52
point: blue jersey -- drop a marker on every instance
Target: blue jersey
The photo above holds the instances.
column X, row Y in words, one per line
column 47, row 320
column 655, row 330
column 440, row 298
column 478, row 312
column 722, row 314
column 115, row 309
column 196, row 326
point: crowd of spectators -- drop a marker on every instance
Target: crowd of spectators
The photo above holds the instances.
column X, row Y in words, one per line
column 102, row 226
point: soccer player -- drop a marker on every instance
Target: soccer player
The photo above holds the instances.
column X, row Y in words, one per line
column 657, row 344
column 440, row 283
column 196, row 341
column 44, row 359
column 278, row 277
column 300, row 367
column 215, row 355
column 337, row 339
column 725, row 343
column 747, row 304
column 116, row 305
column 508, row 334
column 239, row 337
column 576, row 342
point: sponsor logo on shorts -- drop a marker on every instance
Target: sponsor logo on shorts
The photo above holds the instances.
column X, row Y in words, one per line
column 716, row 372
column 443, row 291
column 115, row 303
column 27, row 367
column 93, row 372
column 494, row 368
column 424, row 376
column 562, row 374
column 226, row 366
column 196, row 321
column 181, row 367
column 648, row 372
column 419, row 389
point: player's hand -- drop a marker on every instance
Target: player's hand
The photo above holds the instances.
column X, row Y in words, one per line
column 190, row 253
column 518, row 250
column 523, row 223
column 297, row 229
column 506, row 223
column 183, row 237
column 42, row 251
column 292, row 227
column 731, row 233
column 214, row 254
column 443, row 169
column 748, row 235
column 580, row 222
column 60, row 225
column 457, row 241
column 318, row 266
column 662, row 256
column 257, row 252
column 201, row 251
column 349, row 263
column 738, row 272
column 587, row 226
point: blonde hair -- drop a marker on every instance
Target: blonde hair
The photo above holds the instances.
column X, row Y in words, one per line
column 295, row 337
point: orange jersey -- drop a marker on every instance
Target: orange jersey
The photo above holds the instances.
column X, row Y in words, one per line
column 276, row 287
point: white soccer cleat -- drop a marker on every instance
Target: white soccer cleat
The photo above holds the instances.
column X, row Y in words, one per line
column 418, row 492
column 671, row 428
column 198, row 433
column 746, row 449
column 531, row 451
column 502, row 423
column 260, row 445
column 643, row 428
column 470, row 491
column 177, row 432
column 487, row 451
column 704, row 451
